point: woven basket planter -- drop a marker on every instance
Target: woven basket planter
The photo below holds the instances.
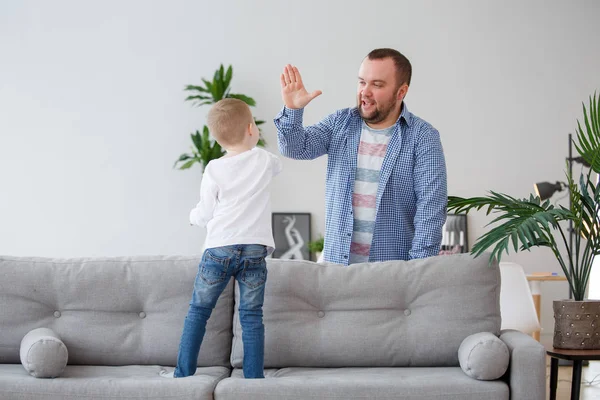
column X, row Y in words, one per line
column 577, row 324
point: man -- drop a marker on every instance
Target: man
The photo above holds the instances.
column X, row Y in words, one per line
column 386, row 189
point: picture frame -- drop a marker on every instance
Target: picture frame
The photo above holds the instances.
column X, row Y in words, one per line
column 455, row 238
column 291, row 232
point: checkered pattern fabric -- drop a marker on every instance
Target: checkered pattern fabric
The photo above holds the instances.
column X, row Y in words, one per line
column 412, row 193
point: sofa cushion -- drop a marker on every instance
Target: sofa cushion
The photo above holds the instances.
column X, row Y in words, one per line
column 43, row 354
column 109, row 311
column 387, row 314
column 448, row 383
column 483, row 356
column 86, row 382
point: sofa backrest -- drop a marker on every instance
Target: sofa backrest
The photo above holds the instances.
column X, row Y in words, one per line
column 397, row 313
column 108, row 311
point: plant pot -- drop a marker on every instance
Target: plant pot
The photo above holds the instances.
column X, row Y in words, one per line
column 317, row 255
column 577, row 324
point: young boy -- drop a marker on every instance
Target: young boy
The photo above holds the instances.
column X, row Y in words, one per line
column 235, row 207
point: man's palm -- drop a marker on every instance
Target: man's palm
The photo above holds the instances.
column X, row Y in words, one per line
column 293, row 92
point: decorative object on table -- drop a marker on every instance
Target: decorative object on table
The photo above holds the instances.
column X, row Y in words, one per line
column 204, row 148
column 316, row 247
column 533, row 222
column 454, row 235
column 291, row 232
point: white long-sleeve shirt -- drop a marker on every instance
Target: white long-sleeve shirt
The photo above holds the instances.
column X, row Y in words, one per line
column 235, row 199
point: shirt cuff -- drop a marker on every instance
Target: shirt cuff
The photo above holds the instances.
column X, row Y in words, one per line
column 291, row 116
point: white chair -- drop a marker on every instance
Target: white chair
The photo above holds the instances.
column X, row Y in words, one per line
column 516, row 304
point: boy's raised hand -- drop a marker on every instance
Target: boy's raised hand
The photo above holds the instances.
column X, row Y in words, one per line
column 293, row 93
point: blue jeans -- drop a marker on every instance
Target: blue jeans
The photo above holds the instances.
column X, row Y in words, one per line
column 247, row 264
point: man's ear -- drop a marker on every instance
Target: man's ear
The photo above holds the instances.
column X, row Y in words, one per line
column 249, row 129
column 402, row 92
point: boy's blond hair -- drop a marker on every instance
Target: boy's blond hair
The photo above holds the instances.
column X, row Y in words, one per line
column 228, row 120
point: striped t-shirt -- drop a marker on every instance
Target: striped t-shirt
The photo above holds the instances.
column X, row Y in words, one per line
column 371, row 151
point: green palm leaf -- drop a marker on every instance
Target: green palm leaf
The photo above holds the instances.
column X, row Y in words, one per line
column 196, row 88
column 521, row 224
column 228, row 76
column 525, row 223
column 248, row 100
column 188, row 164
column 589, row 139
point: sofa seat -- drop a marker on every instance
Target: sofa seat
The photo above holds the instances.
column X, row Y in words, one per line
column 89, row 382
column 447, row 383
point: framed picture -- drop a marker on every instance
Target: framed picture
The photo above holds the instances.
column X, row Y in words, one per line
column 454, row 235
column 291, row 232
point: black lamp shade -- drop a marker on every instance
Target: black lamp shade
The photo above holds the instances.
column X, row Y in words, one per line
column 545, row 190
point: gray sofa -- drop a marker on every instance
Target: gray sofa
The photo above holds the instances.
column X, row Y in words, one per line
column 388, row 330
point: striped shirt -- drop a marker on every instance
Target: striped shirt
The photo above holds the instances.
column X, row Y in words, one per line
column 371, row 152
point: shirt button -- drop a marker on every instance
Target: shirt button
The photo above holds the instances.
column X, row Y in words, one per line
column 349, row 234
column 321, row 314
column 345, row 256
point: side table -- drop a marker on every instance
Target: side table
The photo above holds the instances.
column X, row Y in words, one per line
column 577, row 357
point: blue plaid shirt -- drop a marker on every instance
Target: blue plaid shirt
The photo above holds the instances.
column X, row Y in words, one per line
column 412, row 195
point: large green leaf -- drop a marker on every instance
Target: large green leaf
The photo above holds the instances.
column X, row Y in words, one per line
column 181, row 158
column 248, row 100
column 196, row 88
column 197, row 140
column 219, row 84
column 197, row 97
column 589, row 139
column 188, row 164
column 228, row 76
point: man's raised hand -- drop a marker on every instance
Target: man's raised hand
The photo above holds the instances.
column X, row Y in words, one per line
column 293, row 93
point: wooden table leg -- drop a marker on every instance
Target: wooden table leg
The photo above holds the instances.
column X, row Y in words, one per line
column 576, row 379
column 536, row 294
column 553, row 377
column 537, row 301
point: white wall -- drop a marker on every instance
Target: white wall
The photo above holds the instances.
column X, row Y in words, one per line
column 92, row 114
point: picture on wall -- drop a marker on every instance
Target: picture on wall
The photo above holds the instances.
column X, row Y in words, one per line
column 454, row 235
column 291, row 232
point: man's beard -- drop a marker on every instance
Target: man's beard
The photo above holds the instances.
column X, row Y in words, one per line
column 378, row 114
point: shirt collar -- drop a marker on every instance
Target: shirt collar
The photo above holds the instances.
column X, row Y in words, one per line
column 405, row 114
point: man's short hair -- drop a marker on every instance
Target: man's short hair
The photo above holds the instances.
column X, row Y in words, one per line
column 227, row 121
column 403, row 67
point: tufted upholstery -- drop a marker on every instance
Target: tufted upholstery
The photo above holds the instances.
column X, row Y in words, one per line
column 389, row 314
column 108, row 311
column 331, row 331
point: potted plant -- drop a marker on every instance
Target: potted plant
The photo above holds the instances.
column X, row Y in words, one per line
column 204, row 148
column 316, row 246
column 526, row 223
